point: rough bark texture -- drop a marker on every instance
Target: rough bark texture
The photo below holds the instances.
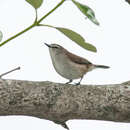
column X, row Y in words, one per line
column 62, row 102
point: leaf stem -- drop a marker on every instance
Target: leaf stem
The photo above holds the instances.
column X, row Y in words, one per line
column 36, row 17
column 51, row 11
column 33, row 25
column 46, row 25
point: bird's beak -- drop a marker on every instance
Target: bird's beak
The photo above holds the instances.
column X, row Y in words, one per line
column 47, row 44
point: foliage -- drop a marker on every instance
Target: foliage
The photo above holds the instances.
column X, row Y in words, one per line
column 87, row 11
column 77, row 38
column 74, row 36
column 35, row 3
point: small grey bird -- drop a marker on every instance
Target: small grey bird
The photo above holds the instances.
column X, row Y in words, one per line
column 69, row 65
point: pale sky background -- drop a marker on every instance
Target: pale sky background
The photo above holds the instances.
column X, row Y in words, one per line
column 112, row 39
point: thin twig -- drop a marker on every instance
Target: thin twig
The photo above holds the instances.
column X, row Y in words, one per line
column 33, row 25
column 18, row 68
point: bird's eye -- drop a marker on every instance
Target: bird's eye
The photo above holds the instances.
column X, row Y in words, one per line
column 55, row 47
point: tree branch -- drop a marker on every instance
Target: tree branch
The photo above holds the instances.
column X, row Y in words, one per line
column 62, row 102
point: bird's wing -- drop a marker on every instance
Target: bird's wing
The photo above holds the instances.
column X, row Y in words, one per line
column 77, row 59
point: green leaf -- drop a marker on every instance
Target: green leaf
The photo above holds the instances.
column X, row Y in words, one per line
column 77, row 38
column 87, row 11
column 35, row 3
column 1, row 36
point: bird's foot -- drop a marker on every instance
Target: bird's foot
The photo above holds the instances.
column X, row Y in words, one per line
column 77, row 83
column 69, row 81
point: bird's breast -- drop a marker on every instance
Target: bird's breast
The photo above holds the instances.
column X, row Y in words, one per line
column 65, row 67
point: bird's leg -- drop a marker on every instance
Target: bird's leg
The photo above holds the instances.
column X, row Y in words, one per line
column 69, row 81
column 79, row 81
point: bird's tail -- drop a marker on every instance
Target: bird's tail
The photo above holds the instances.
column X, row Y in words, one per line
column 102, row 66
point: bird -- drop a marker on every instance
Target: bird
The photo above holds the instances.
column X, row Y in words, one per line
column 69, row 65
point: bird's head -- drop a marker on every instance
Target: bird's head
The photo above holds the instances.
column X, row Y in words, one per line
column 55, row 48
